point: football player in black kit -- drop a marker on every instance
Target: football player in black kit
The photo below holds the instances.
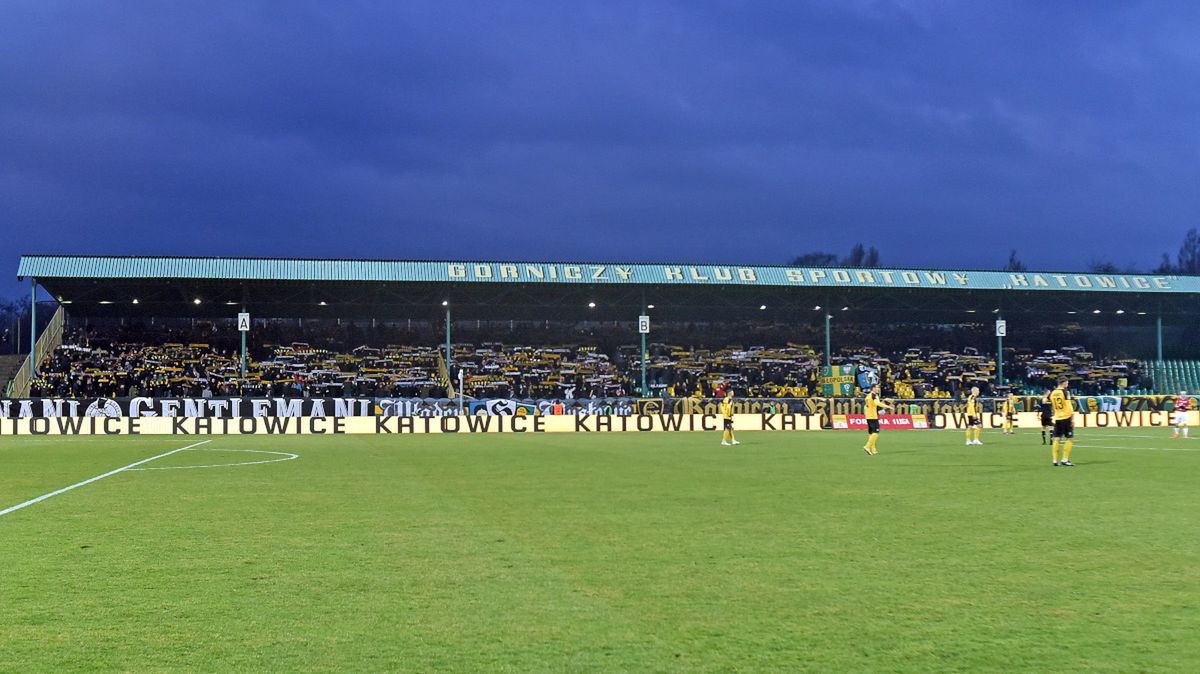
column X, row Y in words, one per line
column 1047, row 415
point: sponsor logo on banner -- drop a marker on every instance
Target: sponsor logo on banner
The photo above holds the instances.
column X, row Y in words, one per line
column 891, row 422
column 500, row 406
column 103, row 407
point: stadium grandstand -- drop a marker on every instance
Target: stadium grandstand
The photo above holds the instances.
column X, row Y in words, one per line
column 169, row 326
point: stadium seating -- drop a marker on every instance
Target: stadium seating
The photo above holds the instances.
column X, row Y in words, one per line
column 1171, row 376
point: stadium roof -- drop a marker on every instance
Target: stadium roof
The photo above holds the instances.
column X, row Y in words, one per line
column 383, row 288
column 410, row 271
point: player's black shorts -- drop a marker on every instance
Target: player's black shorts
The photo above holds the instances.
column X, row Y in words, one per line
column 974, row 421
column 729, row 424
column 1012, row 416
column 1064, row 428
column 872, row 426
column 1047, row 421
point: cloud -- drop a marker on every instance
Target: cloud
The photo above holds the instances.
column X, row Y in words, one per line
column 945, row 134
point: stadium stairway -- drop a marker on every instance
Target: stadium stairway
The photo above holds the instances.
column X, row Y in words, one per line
column 1172, row 376
column 8, row 369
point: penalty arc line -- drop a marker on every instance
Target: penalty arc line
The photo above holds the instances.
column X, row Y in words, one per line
column 90, row 480
column 287, row 456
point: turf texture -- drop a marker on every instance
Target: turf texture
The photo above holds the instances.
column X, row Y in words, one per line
column 791, row 552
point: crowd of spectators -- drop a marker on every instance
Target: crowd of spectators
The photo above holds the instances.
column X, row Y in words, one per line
column 1091, row 375
column 199, row 370
column 495, row 370
column 185, row 363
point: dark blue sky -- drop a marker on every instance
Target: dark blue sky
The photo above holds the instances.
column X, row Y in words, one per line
column 945, row 134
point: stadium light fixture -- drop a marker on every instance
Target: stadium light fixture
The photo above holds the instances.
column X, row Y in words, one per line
column 105, row 301
column 322, row 303
column 996, row 311
column 136, row 301
column 1095, row 311
column 230, row 303
column 445, row 303
column 845, row 308
column 1120, row 311
column 762, row 307
column 591, row 305
column 649, row 306
column 970, row 311
column 1141, row 313
column 1072, row 312
column 196, row 301
column 817, row 308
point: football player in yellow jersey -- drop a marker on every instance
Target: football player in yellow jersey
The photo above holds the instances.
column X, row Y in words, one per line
column 1010, row 413
column 871, row 405
column 1064, row 423
column 974, row 417
column 727, row 413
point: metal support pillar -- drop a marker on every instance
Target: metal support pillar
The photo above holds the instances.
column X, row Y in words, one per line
column 999, row 357
column 828, row 317
column 645, row 391
column 33, row 327
column 645, row 394
column 244, row 347
column 449, row 354
column 1158, row 337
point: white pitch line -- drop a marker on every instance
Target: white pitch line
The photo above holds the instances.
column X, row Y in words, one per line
column 90, row 480
column 1033, row 432
column 287, row 456
column 1143, row 449
column 1147, row 437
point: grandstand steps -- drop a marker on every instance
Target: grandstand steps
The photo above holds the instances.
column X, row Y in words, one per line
column 8, row 369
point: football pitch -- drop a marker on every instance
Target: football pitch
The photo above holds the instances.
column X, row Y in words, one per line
column 651, row 552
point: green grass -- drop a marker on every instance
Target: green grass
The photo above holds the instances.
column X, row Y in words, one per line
column 604, row 553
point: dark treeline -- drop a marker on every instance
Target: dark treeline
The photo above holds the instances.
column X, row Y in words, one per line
column 1185, row 261
column 14, row 326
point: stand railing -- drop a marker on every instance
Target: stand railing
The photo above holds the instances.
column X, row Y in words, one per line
column 50, row 339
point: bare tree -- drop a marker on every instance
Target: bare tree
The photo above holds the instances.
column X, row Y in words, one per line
column 1100, row 266
column 860, row 256
column 13, row 316
column 1014, row 263
column 1188, row 261
column 815, row 260
column 856, row 256
column 1165, row 266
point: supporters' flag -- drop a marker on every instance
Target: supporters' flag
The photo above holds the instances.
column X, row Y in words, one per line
column 838, row 380
column 866, row 377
